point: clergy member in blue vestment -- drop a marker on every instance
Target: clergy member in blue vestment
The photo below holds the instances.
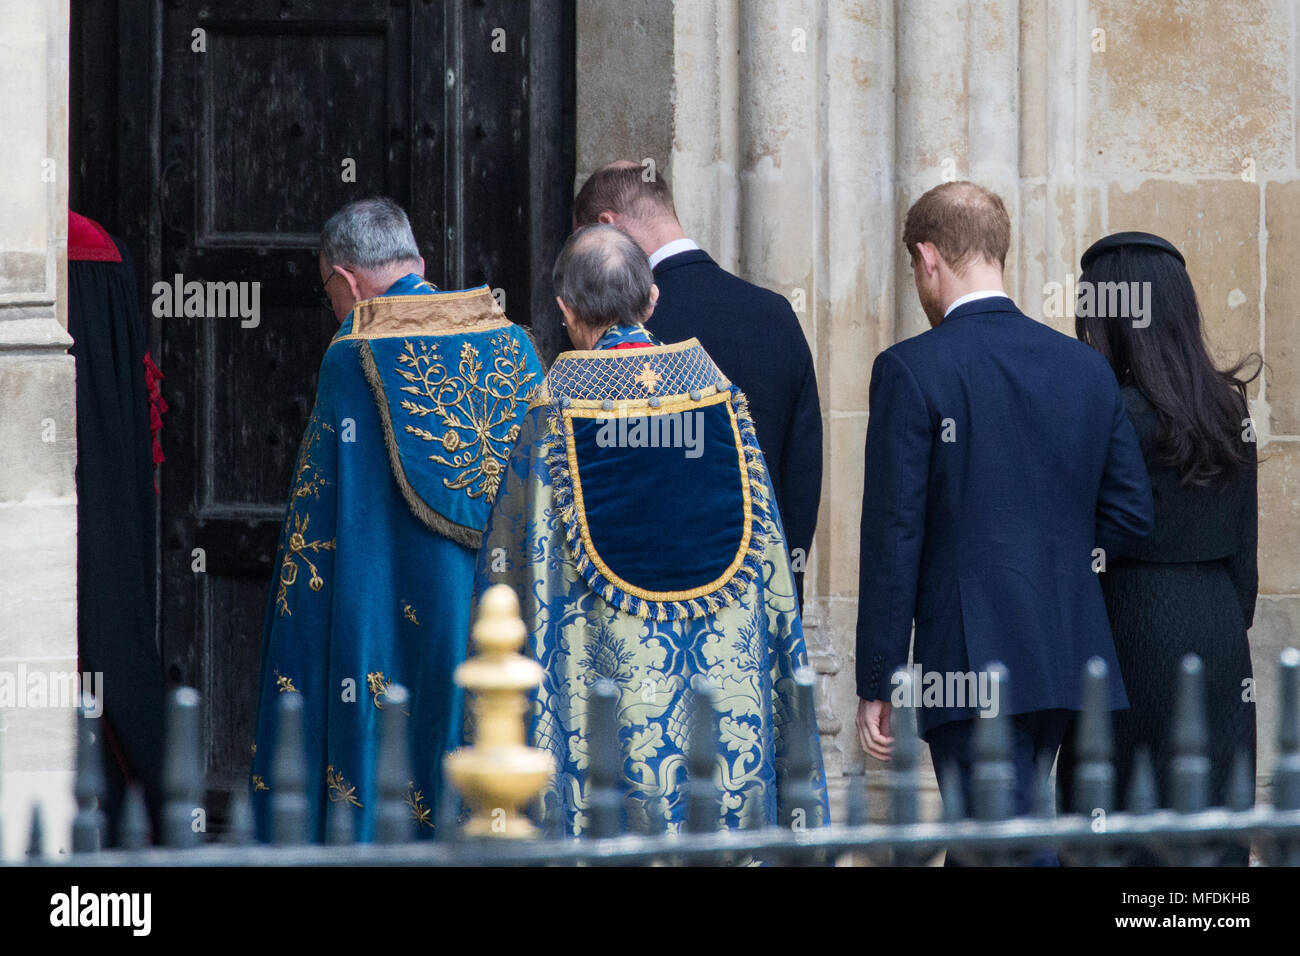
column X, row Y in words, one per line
column 420, row 397
column 636, row 522
column 752, row 333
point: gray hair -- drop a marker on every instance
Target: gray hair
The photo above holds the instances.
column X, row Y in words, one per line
column 368, row 234
column 603, row 277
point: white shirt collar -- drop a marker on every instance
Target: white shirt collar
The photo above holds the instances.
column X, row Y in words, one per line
column 671, row 249
column 971, row 297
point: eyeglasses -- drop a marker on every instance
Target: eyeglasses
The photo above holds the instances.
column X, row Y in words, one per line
column 325, row 299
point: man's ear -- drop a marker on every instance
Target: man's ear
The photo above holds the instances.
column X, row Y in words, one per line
column 568, row 314
column 654, row 296
column 608, row 218
column 350, row 278
column 929, row 256
column 422, row 267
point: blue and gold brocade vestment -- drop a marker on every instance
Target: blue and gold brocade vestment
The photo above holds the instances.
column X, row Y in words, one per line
column 421, row 395
column 636, row 522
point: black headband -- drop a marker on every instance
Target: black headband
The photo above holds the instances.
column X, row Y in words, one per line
column 1118, row 239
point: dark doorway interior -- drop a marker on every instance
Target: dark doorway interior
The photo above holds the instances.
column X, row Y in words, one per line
column 220, row 164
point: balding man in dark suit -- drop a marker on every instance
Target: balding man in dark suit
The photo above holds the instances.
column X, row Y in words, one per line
column 751, row 333
column 1000, row 463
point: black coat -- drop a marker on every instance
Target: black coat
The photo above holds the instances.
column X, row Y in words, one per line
column 754, row 337
column 1189, row 588
column 115, row 525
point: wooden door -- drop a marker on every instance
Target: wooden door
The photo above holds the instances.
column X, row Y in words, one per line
column 263, row 117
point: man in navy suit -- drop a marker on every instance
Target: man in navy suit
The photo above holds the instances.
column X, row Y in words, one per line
column 750, row 332
column 1001, row 472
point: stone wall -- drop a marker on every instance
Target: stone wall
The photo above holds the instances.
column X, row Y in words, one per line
column 38, row 508
column 796, row 134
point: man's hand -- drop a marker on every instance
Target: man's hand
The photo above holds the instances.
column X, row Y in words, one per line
column 873, row 728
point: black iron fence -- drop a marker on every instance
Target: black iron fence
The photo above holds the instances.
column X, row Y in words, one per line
column 1190, row 832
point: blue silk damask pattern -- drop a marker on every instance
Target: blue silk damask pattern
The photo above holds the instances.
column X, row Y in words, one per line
column 746, row 647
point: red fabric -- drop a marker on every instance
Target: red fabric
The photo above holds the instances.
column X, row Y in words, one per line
column 153, row 377
column 88, row 241
column 631, row 345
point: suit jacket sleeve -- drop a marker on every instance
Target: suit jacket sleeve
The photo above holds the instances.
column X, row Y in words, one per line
column 1242, row 567
column 801, row 466
column 899, row 438
column 1125, row 511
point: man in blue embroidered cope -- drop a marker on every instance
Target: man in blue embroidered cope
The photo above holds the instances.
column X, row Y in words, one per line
column 420, row 398
column 649, row 554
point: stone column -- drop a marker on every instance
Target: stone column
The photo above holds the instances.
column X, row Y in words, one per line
column 781, row 217
column 38, row 509
column 856, row 273
column 782, row 166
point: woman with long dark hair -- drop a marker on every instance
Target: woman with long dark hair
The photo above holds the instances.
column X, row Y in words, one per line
column 1189, row 588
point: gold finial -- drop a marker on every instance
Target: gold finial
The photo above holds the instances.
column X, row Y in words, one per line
column 499, row 773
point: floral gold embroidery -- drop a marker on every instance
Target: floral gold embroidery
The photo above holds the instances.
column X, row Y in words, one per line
column 378, row 686
column 408, row 612
column 307, row 483
column 475, row 407
column 415, row 800
column 259, row 783
column 285, row 684
column 339, row 789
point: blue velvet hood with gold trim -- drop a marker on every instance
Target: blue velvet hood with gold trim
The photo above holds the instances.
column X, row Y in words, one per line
column 452, row 378
column 658, row 477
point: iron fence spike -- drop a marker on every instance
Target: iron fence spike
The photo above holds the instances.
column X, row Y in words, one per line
column 1141, row 797
column 950, row 793
column 798, row 803
column 904, row 785
column 290, row 825
column 1190, row 770
column 857, row 801
column 1094, row 774
column 239, row 832
column 88, row 826
column 339, row 823
column 395, row 821
column 1044, row 794
column 134, row 828
column 1241, row 783
column 36, row 835
column 605, row 801
column 703, row 802
column 182, row 770
column 1286, row 770
column 993, row 775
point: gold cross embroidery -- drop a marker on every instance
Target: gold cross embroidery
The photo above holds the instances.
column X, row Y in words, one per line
column 648, row 378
